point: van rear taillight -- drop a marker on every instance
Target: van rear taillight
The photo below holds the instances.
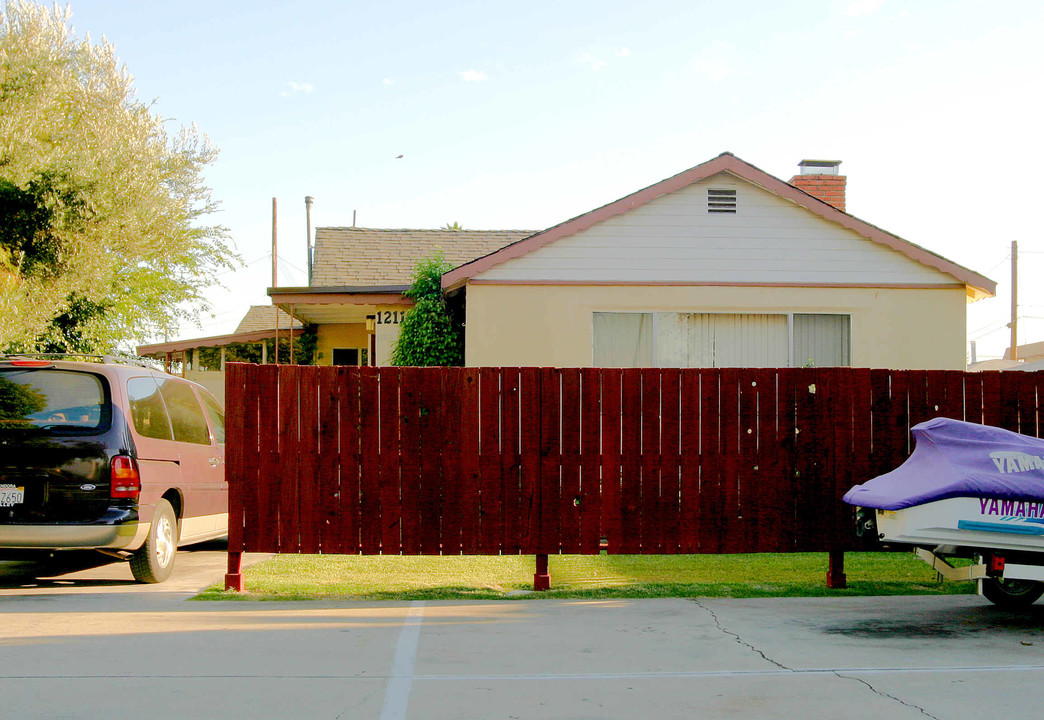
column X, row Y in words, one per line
column 126, row 480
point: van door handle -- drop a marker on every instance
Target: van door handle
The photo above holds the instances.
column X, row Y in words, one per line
column 214, row 462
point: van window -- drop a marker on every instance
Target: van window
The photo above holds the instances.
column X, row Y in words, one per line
column 56, row 400
column 146, row 408
column 217, row 417
column 186, row 416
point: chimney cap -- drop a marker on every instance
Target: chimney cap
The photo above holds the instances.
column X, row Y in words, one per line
column 819, row 167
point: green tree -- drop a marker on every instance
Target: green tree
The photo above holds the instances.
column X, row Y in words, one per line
column 427, row 335
column 453, row 226
column 102, row 241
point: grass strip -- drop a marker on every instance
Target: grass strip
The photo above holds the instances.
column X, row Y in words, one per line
column 353, row 577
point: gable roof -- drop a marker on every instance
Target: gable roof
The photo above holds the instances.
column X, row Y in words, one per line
column 978, row 285
column 370, row 257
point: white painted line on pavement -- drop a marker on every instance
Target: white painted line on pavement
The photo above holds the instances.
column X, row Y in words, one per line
column 400, row 680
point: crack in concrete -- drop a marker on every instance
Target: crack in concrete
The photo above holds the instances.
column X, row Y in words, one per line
column 741, row 641
column 886, row 695
column 738, row 639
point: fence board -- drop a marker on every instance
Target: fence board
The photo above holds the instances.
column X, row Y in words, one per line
column 670, row 459
column 510, row 463
column 346, row 536
column 549, row 479
column 649, row 498
column 631, row 461
column 370, row 446
column 470, row 501
column 310, row 519
column 327, row 460
column 241, row 456
column 452, row 466
column 712, row 510
column 590, row 461
column 569, row 497
column 612, row 410
column 490, row 483
column 689, row 462
column 289, row 495
column 410, row 456
column 430, row 400
column 529, row 454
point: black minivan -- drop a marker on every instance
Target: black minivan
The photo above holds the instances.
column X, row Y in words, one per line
column 111, row 455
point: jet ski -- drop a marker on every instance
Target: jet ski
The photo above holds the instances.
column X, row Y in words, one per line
column 967, row 491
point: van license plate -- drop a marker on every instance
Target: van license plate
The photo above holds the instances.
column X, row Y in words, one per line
column 11, row 495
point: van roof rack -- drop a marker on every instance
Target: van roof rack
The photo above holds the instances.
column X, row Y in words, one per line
column 85, row 357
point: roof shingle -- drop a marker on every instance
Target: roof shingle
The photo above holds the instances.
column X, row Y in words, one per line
column 365, row 257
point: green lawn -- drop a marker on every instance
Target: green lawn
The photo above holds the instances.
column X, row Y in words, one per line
column 301, row 577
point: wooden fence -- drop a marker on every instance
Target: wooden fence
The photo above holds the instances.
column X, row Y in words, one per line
column 545, row 460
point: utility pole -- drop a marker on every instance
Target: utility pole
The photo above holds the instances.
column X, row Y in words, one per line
column 275, row 277
column 308, row 236
column 1014, row 324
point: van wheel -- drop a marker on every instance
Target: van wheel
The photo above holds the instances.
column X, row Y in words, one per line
column 154, row 561
column 1011, row 594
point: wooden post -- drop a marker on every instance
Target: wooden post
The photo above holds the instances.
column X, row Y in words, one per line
column 836, row 578
column 542, row 578
column 234, row 576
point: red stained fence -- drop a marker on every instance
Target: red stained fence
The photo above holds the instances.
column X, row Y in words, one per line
column 546, row 460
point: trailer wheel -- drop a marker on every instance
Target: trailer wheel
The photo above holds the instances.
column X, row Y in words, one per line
column 1012, row 594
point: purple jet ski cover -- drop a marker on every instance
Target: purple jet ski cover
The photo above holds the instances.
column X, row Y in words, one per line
column 958, row 459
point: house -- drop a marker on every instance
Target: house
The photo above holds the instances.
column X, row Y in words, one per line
column 202, row 360
column 359, row 276
column 722, row 265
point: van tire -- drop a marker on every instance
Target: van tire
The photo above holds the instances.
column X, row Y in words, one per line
column 154, row 561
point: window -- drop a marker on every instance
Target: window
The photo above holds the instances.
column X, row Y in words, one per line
column 186, row 416
column 721, row 340
column 351, row 356
column 217, row 417
column 146, row 408
column 56, row 400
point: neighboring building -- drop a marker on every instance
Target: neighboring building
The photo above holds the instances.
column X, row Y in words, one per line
column 722, row 265
column 358, row 278
column 202, row 360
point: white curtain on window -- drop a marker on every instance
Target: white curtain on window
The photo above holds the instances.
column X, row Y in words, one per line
column 822, row 340
column 733, row 340
column 623, row 339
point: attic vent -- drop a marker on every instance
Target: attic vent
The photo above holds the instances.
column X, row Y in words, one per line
column 721, row 201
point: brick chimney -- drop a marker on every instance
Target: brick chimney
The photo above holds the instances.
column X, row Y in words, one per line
column 820, row 179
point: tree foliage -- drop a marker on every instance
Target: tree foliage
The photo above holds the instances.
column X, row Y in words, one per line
column 101, row 233
column 427, row 335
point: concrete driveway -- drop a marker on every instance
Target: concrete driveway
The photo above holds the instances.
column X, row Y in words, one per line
column 146, row 652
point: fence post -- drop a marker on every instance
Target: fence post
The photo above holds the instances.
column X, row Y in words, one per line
column 836, row 578
column 234, row 576
column 542, row 578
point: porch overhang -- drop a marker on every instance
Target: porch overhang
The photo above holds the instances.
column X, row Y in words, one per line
column 326, row 305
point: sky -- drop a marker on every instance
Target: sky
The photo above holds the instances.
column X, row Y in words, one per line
column 522, row 115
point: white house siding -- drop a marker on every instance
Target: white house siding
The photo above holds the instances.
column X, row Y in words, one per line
column 674, row 239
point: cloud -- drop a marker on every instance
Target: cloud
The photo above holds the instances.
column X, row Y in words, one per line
column 592, row 62
column 623, row 53
column 297, row 88
column 387, row 82
column 472, row 75
column 863, row 8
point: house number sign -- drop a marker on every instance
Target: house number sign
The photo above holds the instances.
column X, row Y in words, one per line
column 390, row 317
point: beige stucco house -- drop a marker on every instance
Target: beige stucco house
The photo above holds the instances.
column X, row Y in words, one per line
column 722, row 265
